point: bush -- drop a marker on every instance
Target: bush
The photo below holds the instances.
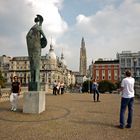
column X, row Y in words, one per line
column 86, row 85
column 106, row 86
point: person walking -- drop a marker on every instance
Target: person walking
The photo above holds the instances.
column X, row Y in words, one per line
column 127, row 100
column 95, row 90
column 15, row 93
column 54, row 87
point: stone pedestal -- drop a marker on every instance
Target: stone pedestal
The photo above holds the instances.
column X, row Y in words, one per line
column 34, row 102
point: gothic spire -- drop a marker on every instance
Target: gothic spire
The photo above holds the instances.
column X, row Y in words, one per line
column 83, row 43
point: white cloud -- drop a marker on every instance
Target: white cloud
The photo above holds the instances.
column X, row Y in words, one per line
column 112, row 29
column 17, row 17
column 49, row 9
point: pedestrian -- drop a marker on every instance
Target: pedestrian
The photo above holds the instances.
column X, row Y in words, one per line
column 54, row 87
column 127, row 100
column 15, row 91
column 95, row 90
column 62, row 87
column 58, row 87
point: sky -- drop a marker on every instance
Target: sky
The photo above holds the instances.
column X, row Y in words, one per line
column 108, row 27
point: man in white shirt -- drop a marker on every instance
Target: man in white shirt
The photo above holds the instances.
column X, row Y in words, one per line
column 127, row 88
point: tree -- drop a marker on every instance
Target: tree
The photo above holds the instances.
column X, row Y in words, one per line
column 106, row 86
column 86, row 86
column 2, row 80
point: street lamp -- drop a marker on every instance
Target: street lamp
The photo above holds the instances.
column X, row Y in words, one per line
column 134, row 62
column 88, row 84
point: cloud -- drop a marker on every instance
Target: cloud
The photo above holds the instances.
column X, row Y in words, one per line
column 17, row 17
column 112, row 29
column 49, row 9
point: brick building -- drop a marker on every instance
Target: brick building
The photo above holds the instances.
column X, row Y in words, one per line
column 106, row 70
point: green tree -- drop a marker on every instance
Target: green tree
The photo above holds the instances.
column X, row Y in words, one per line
column 2, row 80
column 106, row 86
column 86, row 86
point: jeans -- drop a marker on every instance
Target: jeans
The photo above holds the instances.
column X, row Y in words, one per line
column 95, row 91
column 124, row 103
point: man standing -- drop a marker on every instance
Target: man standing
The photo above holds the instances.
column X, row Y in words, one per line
column 95, row 90
column 127, row 88
column 15, row 93
column 54, row 87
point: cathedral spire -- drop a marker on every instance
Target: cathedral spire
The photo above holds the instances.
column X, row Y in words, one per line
column 83, row 43
column 83, row 59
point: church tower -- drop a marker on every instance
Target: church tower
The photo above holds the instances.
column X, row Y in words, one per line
column 83, row 59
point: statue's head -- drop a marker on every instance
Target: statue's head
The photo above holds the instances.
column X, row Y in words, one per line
column 39, row 18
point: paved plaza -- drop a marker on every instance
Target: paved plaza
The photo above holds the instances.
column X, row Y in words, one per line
column 69, row 117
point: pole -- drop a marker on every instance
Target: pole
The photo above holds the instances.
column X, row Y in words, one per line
column 135, row 61
column 89, row 85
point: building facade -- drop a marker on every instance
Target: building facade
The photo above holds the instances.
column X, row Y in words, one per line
column 106, row 70
column 5, row 65
column 52, row 68
column 83, row 59
column 129, row 61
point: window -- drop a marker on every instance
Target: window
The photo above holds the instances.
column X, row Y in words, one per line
column 97, row 72
column 128, row 62
column 138, row 72
column 115, row 74
column 138, row 61
column 122, row 62
column 109, row 74
column 103, row 72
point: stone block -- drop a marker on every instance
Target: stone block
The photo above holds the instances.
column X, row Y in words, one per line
column 34, row 102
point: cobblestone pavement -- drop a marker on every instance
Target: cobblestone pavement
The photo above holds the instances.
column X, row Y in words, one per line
column 69, row 117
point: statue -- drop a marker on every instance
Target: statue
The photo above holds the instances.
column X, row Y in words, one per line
column 35, row 41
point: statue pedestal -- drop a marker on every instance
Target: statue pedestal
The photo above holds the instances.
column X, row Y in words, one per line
column 34, row 102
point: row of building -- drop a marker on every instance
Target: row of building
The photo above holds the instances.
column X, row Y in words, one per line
column 54, row 68
column 114, row 70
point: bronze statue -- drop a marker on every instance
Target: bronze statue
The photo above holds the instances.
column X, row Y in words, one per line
column 35, row 41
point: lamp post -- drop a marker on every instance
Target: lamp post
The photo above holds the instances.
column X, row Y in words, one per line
column 88, row 84
column 135, row 74
column 134, row 62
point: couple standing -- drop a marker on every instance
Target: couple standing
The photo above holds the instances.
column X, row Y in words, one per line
column 57, row 87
